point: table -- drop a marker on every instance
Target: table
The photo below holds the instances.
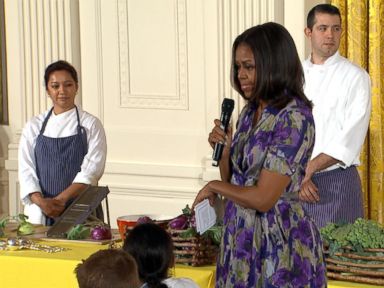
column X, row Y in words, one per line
column 27, row 268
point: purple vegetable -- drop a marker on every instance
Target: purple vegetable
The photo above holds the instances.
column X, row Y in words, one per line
column 179, row 223
column 144, row 219
column 101, row 233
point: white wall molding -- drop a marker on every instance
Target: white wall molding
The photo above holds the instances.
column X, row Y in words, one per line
column 152, row 169
column 152, row 180
column 92, row 62
column 153, row 191
column 3, row 173
column 134, row 92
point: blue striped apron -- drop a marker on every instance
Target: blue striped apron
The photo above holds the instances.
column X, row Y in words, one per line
column 58, row 160
column 340, row 194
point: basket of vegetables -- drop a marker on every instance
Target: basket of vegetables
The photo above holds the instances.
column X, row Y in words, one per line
column 190, row 248
column 355, row 251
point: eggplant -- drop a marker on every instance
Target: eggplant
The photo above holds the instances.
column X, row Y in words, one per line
column 179, row 223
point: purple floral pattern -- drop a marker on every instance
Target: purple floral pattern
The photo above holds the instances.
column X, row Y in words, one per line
column 281, row 247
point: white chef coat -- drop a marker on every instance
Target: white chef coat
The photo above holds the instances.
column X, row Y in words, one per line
column 341, row 94
column 62, row 125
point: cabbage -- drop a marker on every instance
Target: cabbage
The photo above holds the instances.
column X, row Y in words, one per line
column 101, row 233
column 25, row 227
column 78, row 232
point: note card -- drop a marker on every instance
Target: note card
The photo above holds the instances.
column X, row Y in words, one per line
column 205, row 216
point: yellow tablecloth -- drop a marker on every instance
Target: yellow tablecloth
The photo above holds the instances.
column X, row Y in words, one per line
column 27, row 268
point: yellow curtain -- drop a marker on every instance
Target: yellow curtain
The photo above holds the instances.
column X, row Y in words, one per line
column 1, row 77
column 362, row 42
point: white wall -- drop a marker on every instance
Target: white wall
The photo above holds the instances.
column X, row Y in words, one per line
column 155, row 73
column 159, row 71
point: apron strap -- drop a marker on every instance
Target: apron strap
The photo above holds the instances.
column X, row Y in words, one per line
column 45, row 121
column 81, row 132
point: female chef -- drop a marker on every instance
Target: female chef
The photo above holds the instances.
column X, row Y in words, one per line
column 61, row 151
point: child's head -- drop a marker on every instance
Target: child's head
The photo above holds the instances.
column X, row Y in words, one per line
column 108, row 268
column 152, row 248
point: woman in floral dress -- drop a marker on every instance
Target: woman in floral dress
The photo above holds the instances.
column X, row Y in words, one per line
column 268, row 241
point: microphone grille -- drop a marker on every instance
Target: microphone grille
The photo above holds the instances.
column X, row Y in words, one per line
column 227, row 105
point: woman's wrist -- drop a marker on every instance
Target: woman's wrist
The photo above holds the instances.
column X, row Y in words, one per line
column 213, row 186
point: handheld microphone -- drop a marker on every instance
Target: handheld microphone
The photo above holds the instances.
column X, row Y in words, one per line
column 226, row 112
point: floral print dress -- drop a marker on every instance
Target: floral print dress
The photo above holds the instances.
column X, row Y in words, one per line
column 281, row 247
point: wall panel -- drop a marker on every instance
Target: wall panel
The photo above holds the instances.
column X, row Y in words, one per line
column 153, row 54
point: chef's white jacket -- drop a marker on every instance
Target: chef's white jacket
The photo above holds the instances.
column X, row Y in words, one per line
column 341, row 94
column 62, row 125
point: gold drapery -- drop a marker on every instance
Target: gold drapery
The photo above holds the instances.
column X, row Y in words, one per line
column 1, row 77
column 362, row 42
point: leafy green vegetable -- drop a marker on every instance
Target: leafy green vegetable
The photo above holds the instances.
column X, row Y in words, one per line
column 367, row 234
column 25, row 227
column 187, row 210
column 190, row 232
column 78, row 232
column 4, row 221
column 361, row 234
column 22, row 218
column 215, row 233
